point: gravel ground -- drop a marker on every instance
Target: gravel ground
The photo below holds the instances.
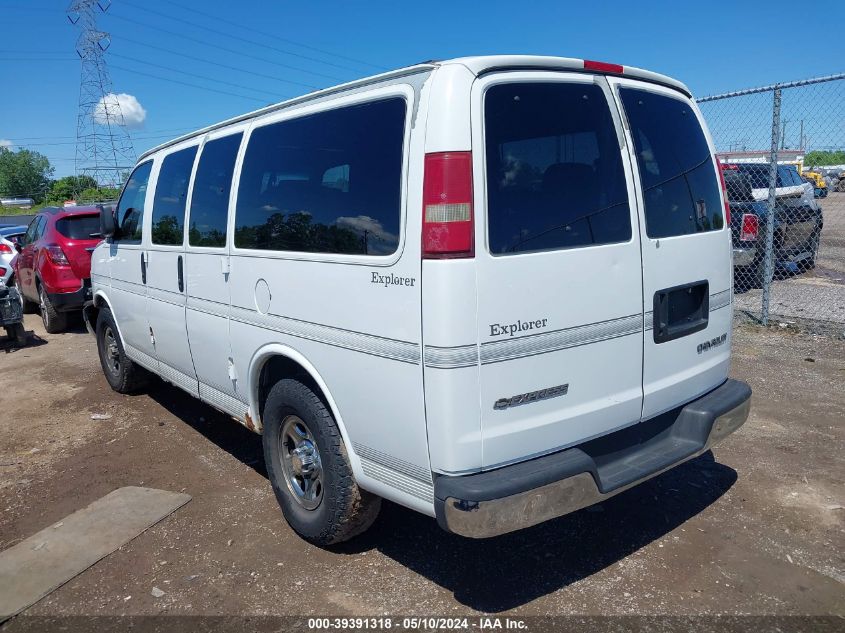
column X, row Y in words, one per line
column 756, row 527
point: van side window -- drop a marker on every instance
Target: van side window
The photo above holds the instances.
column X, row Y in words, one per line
column 171, row 196
column 212, row 184
column 680, row 185
column 326, row 183
column 554, row 169
column 130, row 208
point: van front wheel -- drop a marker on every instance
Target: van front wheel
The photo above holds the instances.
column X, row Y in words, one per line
column 309, row 468
column 122, row 374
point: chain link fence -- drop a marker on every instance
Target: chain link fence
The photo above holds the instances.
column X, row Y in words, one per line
column 782, row 151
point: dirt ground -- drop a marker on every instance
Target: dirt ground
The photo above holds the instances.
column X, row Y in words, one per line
column 756, row 527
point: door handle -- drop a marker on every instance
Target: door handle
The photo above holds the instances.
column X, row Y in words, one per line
column 181, row 275
column 143, row 269
column 681, row 311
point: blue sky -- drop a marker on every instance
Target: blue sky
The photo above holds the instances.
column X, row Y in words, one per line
column 713, row 48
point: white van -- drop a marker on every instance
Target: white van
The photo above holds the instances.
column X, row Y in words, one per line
column 493, row 290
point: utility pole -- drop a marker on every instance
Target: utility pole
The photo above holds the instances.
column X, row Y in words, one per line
column 104, row 150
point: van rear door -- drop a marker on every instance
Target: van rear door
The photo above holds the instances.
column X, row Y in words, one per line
column 560, row 298
column 686, row 246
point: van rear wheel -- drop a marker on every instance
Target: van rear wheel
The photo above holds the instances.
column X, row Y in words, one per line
column 309, row 468
column 122, row 374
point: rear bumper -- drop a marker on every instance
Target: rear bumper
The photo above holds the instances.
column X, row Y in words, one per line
column 67, row 301
column 745, row 256
column 518, row 496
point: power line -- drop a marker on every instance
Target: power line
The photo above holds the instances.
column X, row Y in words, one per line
column 190, row 74
column 38, row 59
column 277, row 37
column 136, row 138
column 221, row 48
column 237, row 37
column 217, row 64
column 46, row 138
column 190, row 85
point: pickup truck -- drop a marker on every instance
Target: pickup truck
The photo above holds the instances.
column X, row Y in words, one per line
column 798, row 221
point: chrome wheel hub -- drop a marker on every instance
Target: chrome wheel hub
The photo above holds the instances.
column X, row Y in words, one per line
column 300, row 462
column 111, row 350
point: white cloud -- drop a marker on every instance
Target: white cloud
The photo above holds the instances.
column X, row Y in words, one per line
column 380, row 240
column 4, row 142
column 120, row 109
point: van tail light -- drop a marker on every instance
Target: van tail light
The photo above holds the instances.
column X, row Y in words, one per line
column 57, row 255
column 603, row 67
column 750, row 227
column 719, row 168
column 5, row 248
column 448, row 227
column 2, row 271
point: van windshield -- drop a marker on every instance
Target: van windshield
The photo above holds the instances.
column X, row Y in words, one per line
column 554, row 170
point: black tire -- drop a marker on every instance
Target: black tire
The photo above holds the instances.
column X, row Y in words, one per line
column 122, row 374
column 54, row 322
column 343, row 509
column 29, row 307
column 815, row 241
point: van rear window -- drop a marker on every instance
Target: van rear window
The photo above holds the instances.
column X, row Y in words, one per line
column 79, row 227
column 330, row 182
column 554, row 170
column 677, row 172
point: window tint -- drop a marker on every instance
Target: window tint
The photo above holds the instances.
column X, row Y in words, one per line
column 325, row 183
column 171, row 195
column 79, row 227
column 337, row 178
column 130, row 207
column 758, row 173
column 680, row 185
column 29, row 236
column 212, row 184
column 789, row 175
column 554, row 170
column 39, row 228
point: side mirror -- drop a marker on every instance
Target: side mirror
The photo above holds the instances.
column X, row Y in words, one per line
column 108, row 227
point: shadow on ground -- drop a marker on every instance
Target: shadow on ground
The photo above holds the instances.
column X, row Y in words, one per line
column 10, row 346
column 502, row 573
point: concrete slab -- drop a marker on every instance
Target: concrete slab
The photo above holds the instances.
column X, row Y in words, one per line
column 43, row 562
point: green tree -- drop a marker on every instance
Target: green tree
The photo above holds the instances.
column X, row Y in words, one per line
column 167, row 231
column 95, row 194
column 24, row 174
column 822, row 158
column 68, row 187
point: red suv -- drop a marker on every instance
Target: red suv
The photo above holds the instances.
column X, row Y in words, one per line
column 53, row 266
